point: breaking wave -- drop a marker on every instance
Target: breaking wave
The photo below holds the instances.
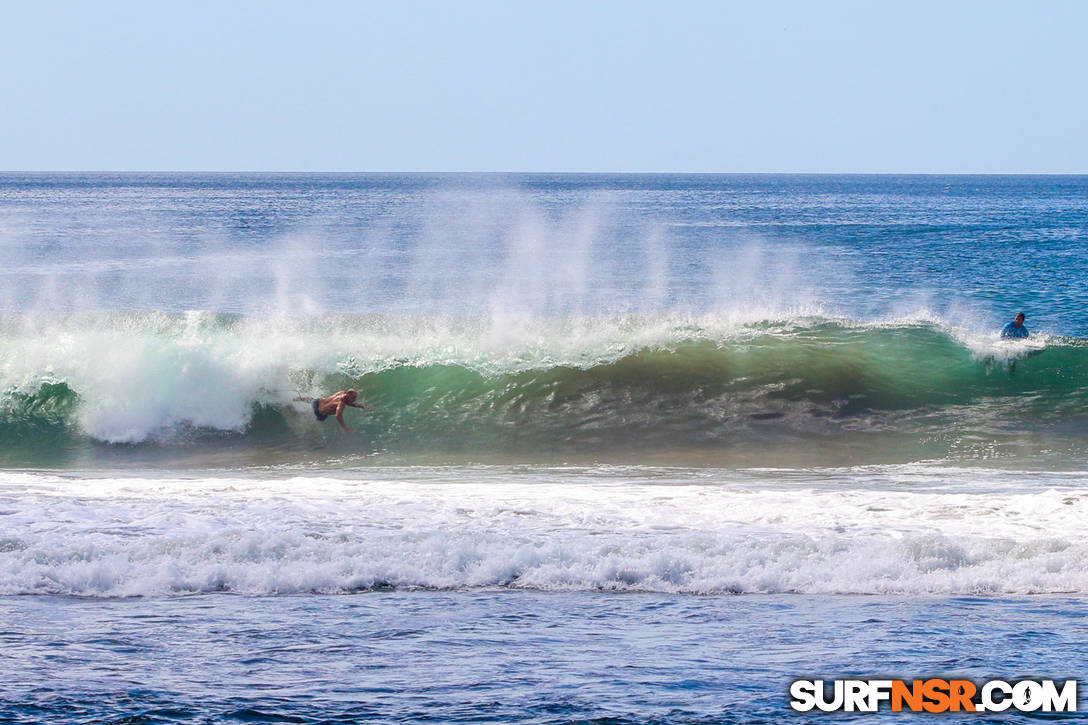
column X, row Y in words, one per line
column 592, row 385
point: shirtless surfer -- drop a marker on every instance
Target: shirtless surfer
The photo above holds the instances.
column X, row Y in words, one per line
column 334, row 405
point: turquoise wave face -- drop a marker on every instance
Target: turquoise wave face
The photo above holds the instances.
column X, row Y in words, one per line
column 709, row 388
column 38, row 420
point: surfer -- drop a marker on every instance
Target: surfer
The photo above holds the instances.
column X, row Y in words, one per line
column 1015, row 329
column 334, row 405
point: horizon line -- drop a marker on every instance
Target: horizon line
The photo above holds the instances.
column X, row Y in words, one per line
column 551, row 173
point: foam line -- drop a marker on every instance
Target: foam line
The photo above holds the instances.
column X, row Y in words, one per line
column 135, row 537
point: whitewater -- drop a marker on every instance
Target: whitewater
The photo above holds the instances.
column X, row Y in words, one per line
column 904, row 530
column 632, row 445
column 727, row 391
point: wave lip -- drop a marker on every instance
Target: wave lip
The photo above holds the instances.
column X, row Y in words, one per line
column 646, row 381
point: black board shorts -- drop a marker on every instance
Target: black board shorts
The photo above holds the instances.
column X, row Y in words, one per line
column 319, row 416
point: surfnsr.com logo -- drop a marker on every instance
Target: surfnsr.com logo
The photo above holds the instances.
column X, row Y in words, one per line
column 933, row 695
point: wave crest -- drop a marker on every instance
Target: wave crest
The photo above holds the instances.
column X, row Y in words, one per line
column 594, row 384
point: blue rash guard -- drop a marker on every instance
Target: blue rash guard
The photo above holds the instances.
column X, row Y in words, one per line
column 1012, row 329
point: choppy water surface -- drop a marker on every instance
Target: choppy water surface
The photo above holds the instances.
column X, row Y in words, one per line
column 636, row 448
column 500, row 656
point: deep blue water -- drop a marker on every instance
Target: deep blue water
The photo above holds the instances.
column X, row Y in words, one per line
column 978, row 246
column 506, row 657
column 636, row 448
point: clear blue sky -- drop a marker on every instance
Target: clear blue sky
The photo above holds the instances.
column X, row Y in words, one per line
column 820, row 86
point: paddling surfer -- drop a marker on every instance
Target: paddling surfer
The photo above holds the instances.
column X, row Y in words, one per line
column 334, row 405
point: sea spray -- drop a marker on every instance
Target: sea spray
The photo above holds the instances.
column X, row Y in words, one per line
column 607, row 385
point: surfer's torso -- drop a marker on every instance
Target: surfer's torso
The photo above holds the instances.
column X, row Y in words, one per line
column 1011, row 329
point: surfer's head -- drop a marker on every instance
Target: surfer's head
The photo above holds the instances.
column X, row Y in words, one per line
column 1019, row 319
column 350, row 395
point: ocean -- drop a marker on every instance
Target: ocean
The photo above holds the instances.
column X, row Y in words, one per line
column 636, row 448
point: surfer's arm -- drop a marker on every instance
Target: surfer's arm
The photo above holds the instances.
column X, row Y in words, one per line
column 340, row 416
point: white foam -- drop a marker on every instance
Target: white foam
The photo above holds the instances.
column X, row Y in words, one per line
column 140, row 376
column 705, row 533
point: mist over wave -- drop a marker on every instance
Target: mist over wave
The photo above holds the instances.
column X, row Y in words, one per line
column 528, row 317
column 675, row 384
column 602, row 385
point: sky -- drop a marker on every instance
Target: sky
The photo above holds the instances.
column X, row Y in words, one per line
column 819, row 87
